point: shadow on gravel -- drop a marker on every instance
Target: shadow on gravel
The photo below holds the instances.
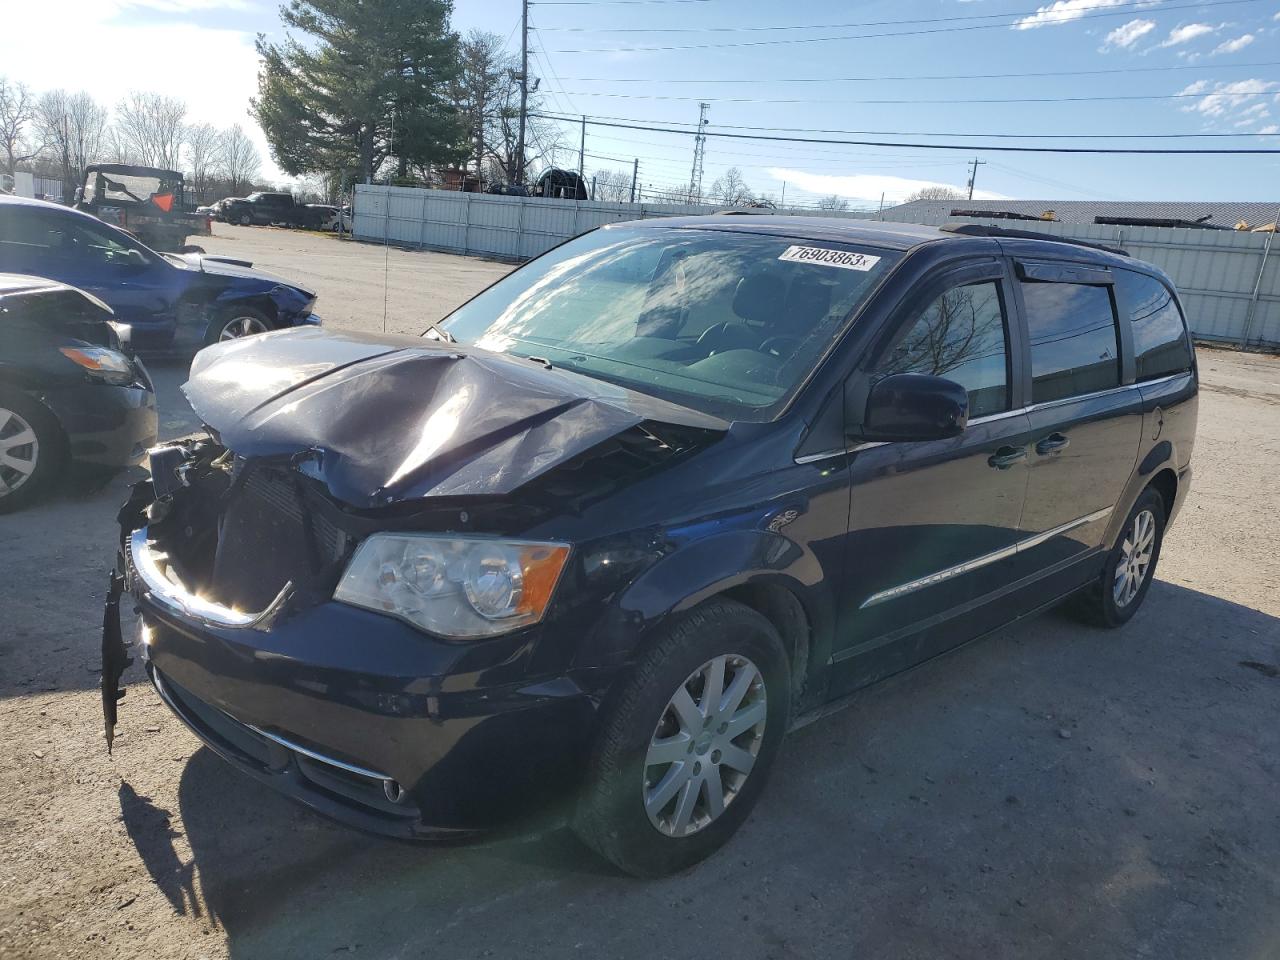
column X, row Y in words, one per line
column 1054, row 790
column 151, row 830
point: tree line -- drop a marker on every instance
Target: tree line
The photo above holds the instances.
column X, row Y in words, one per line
column 57, row 134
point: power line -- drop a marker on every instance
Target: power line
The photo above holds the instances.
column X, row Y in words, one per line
column 1000, row 148
column 945, row 100
column 935, row 76
column 1044, row 20
column 935, row 133
column 1144, row 4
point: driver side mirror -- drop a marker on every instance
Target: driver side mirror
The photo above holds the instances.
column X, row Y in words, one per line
column 913, row 406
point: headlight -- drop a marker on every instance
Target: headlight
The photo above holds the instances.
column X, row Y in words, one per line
column 458, row 587
column 101, row 363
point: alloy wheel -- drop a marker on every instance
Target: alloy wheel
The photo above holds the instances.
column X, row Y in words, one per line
column 705, row 745
column 19, row 451
column 1135, row 558
column 238, row 327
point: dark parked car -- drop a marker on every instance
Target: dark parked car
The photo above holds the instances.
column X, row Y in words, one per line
column 264, row 209
column 174, row 302
column 68, row 388
column 643, row 505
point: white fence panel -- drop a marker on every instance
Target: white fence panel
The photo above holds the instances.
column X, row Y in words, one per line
column 1229, row 281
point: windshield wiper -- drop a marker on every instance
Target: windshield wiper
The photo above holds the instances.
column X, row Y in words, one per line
column 441, row 332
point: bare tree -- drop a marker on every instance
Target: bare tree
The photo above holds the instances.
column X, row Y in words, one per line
column 477, row 91
column 835, row 203
column 204, row 153
column 17, row 109
column 73, row 131
column 935, row 192
column 240, row 163
column 151, row 127
column 613, row 186
column 731, row 189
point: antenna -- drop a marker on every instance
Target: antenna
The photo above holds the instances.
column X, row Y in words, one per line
column 699, row 152
column 386, row 226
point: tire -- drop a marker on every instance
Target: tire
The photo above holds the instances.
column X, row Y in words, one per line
column 651, row 817
column 246, row 220
column 1113, row 599
column 236, row 322
column 191, row 248
column 27, row 468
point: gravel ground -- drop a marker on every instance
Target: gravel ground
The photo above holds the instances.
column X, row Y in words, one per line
column 1052, row 791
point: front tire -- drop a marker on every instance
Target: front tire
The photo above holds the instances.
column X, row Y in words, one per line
column 246, row 220
column 1113, row 599
column 686, row 745
column 236, row 323
column 31, row 451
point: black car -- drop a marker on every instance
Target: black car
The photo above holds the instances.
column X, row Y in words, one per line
column 68, row 388
column 172, row 302
column 624, row 518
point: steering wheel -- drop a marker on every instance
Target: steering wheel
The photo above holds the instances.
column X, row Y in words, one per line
column 780, row 346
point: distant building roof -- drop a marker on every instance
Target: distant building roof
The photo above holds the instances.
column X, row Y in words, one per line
column 1220, row 213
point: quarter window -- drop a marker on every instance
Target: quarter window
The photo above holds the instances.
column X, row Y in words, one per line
column 960, row 336
column 1072, row 328
column 1160, row 343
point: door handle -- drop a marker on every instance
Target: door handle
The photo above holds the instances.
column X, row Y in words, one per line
column 1052, row 444
column 1006, row 457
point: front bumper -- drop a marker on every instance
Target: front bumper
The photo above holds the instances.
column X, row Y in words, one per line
column 365, row 719
column 107, row 424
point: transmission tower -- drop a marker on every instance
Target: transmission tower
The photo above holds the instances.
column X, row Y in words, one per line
column 699, row 152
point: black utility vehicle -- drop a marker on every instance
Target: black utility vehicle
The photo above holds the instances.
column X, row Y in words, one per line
column 641, row 506
column 148, row 202
column 68, row 387
column 265, row 209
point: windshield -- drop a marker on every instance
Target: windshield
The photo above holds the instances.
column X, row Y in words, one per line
column 725, row 322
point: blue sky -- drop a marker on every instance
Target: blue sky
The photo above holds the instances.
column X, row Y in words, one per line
column 1217, row 50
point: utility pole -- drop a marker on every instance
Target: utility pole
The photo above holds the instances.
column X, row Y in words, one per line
column 783, row 202
column 699, row 151
column 524, row 87
column 582, row 148
column 635, row 170
column 973, row 173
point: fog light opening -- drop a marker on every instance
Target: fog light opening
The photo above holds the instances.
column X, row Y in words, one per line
column 393, row 791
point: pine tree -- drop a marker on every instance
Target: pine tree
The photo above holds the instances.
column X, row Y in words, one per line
column 370, row 83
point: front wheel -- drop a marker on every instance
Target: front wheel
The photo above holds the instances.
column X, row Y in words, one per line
column 245, row 220
column 236, row 323
column 686, row 746
column 31, row 451
column 1113, row 599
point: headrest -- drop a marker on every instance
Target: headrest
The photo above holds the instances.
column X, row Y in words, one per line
column 808, row 302
column 760, row 297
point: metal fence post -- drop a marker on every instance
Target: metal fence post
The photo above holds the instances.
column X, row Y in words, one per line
column 1257, row 285
column 466, row 228
column 422, row 223
column 520, row 201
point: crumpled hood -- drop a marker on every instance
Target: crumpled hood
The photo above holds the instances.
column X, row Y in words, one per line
column 382, row 419
column 231, row 268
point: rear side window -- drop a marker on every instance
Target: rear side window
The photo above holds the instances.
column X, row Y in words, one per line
column 960, row 336
column 1074, row 350
column 1160, row 346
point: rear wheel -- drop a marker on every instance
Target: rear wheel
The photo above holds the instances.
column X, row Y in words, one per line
column 687, row 745
column 30, row 451
column 1115, row 597
column 236, row 323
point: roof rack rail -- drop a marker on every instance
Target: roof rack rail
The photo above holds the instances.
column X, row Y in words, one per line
column 985, row 230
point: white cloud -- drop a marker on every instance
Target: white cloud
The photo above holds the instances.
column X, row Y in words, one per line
column 1127, row 34
column 865, row 187
column 1064, row 11
column 1227, row 101
column 118, row 46
column 1187, row 33
column 1231, row 46
column 1270, row 129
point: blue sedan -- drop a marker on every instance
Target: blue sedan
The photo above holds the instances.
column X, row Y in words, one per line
column 172, row 302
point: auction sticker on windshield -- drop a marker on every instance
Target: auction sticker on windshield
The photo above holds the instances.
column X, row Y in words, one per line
column 844, row 259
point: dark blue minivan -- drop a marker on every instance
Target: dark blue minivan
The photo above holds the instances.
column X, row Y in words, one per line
column 600, row 538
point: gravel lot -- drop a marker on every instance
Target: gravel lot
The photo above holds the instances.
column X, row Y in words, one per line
column 1052, row 791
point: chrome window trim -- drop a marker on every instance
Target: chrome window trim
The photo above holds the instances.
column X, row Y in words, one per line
column 990, row 418
column 986, row 559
